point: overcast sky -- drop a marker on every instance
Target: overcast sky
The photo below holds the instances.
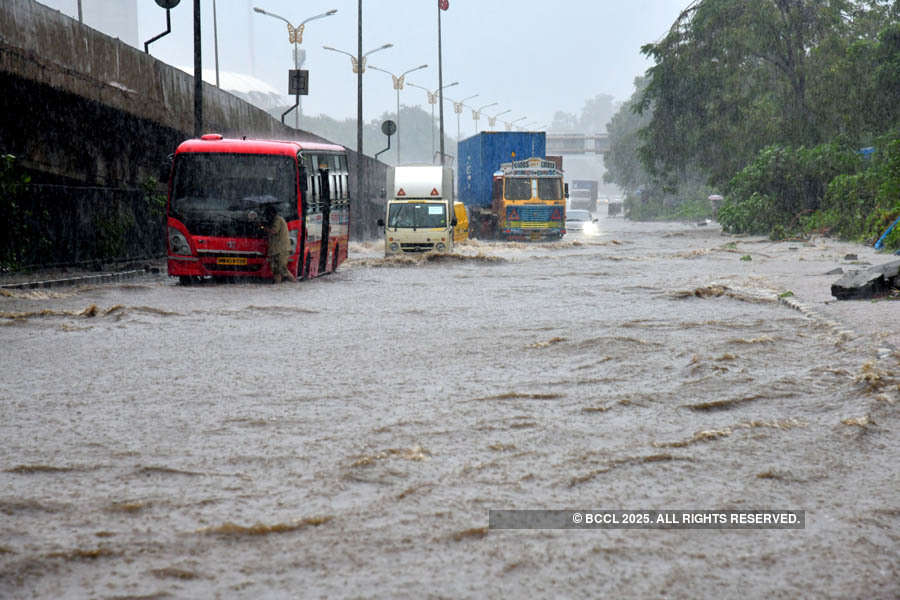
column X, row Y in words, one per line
column 530, row 57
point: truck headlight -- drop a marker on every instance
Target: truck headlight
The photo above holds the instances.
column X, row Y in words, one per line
column 178, row 244
column 394, row 246
column 440, row 246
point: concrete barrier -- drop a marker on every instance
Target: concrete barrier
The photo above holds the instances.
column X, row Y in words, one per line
column 83, row 109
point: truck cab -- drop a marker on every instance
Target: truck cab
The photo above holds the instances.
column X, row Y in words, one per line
column 419, row 215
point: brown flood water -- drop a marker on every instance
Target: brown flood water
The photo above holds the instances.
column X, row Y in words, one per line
column 346, row 437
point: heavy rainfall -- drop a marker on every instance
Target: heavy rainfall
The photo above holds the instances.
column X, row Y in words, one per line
column 568, row 331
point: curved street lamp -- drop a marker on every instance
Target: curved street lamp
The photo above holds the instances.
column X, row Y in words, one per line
column 492, row 121
column 398, row 85
column 295, row 36
column 509, row 124
column 353, row 60
column 476, row 113
column 458, row 108
column 432, row 100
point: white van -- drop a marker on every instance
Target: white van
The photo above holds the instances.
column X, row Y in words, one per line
column 419, row 216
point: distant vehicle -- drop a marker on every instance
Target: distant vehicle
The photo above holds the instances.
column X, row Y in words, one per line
column 420, row 212
column 584, row 194
column 614, row 207
column 580, row 221
column 219, row 190
column 509, row 198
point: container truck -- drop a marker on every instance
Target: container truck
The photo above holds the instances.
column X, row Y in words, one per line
column 511, row 189
column 584, row 194
column 420, row 215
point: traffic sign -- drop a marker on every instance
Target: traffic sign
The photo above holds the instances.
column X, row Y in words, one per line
column 298, row 82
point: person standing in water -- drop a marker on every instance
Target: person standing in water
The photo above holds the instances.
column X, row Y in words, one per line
column 279, row 245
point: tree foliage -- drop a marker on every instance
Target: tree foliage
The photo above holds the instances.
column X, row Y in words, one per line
column 732, row 77
column 771, row 100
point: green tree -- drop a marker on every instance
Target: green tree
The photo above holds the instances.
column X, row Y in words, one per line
column 732, row 77
column 596, row 113
column 622, row 160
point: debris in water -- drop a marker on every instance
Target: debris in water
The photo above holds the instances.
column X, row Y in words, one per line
column 229, row 528
column 174, row 572
column 128, row 507
column 863, row 422
column 519, row 396
column 720, row 404
column 475, row 532
column 550, row 342
column 416, row 453
column 31, row 469
column 498, row 447
column 629, row 461
column 79, row 554
column 714, row 434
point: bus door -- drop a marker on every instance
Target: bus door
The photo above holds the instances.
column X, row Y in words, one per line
column 302, row 211
column 325, row 203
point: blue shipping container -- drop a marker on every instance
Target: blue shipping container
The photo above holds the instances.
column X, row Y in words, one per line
column 480, row 157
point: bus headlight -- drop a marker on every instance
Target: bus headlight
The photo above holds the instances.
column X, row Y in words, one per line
column 178, row 244
column 293, row 235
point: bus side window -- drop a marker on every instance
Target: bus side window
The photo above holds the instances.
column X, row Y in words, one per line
column 315, row 187
column 304, row 182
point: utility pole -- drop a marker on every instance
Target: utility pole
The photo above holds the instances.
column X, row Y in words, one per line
column 441, row 83
column 198, row 74
column 361, row 201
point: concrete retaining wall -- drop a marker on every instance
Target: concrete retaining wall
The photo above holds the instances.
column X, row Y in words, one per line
column 84, row 109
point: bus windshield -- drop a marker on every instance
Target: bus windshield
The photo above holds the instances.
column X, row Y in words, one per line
column 224, row 194
column 405, row 215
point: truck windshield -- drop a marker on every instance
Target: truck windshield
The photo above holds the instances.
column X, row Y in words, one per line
column 417, row 214
column 225, row 194
column 518, row 188
column 550, row 188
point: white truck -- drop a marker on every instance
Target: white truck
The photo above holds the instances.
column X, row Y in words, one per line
column 419, row 216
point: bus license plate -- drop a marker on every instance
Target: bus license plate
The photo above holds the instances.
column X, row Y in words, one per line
column 231, row 260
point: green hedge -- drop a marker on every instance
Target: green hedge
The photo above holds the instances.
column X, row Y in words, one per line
column 830, row 189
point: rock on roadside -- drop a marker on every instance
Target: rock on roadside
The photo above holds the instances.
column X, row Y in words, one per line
column 867, row 283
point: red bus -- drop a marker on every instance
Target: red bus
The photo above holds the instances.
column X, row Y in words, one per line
column 219, row 189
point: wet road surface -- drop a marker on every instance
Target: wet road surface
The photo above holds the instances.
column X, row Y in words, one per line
column 347, row 436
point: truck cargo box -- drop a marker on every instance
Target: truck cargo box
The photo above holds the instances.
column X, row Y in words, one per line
column 480, row 156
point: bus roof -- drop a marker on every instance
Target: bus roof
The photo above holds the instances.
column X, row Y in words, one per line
column 216, row 143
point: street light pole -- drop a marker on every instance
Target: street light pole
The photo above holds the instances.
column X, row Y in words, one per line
column 216, row 41
column 358, row 63
column 458, row 108
column 198, row 73
column 295, row 36
column 509, row 124
column 432, row 100
column 441, row 83
column 398, row 85
column 492, row 121
column 476, row 113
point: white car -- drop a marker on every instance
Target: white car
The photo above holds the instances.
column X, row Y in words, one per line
column 580, row 221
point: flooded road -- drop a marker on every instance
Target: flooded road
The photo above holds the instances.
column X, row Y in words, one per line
column 347, row 436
